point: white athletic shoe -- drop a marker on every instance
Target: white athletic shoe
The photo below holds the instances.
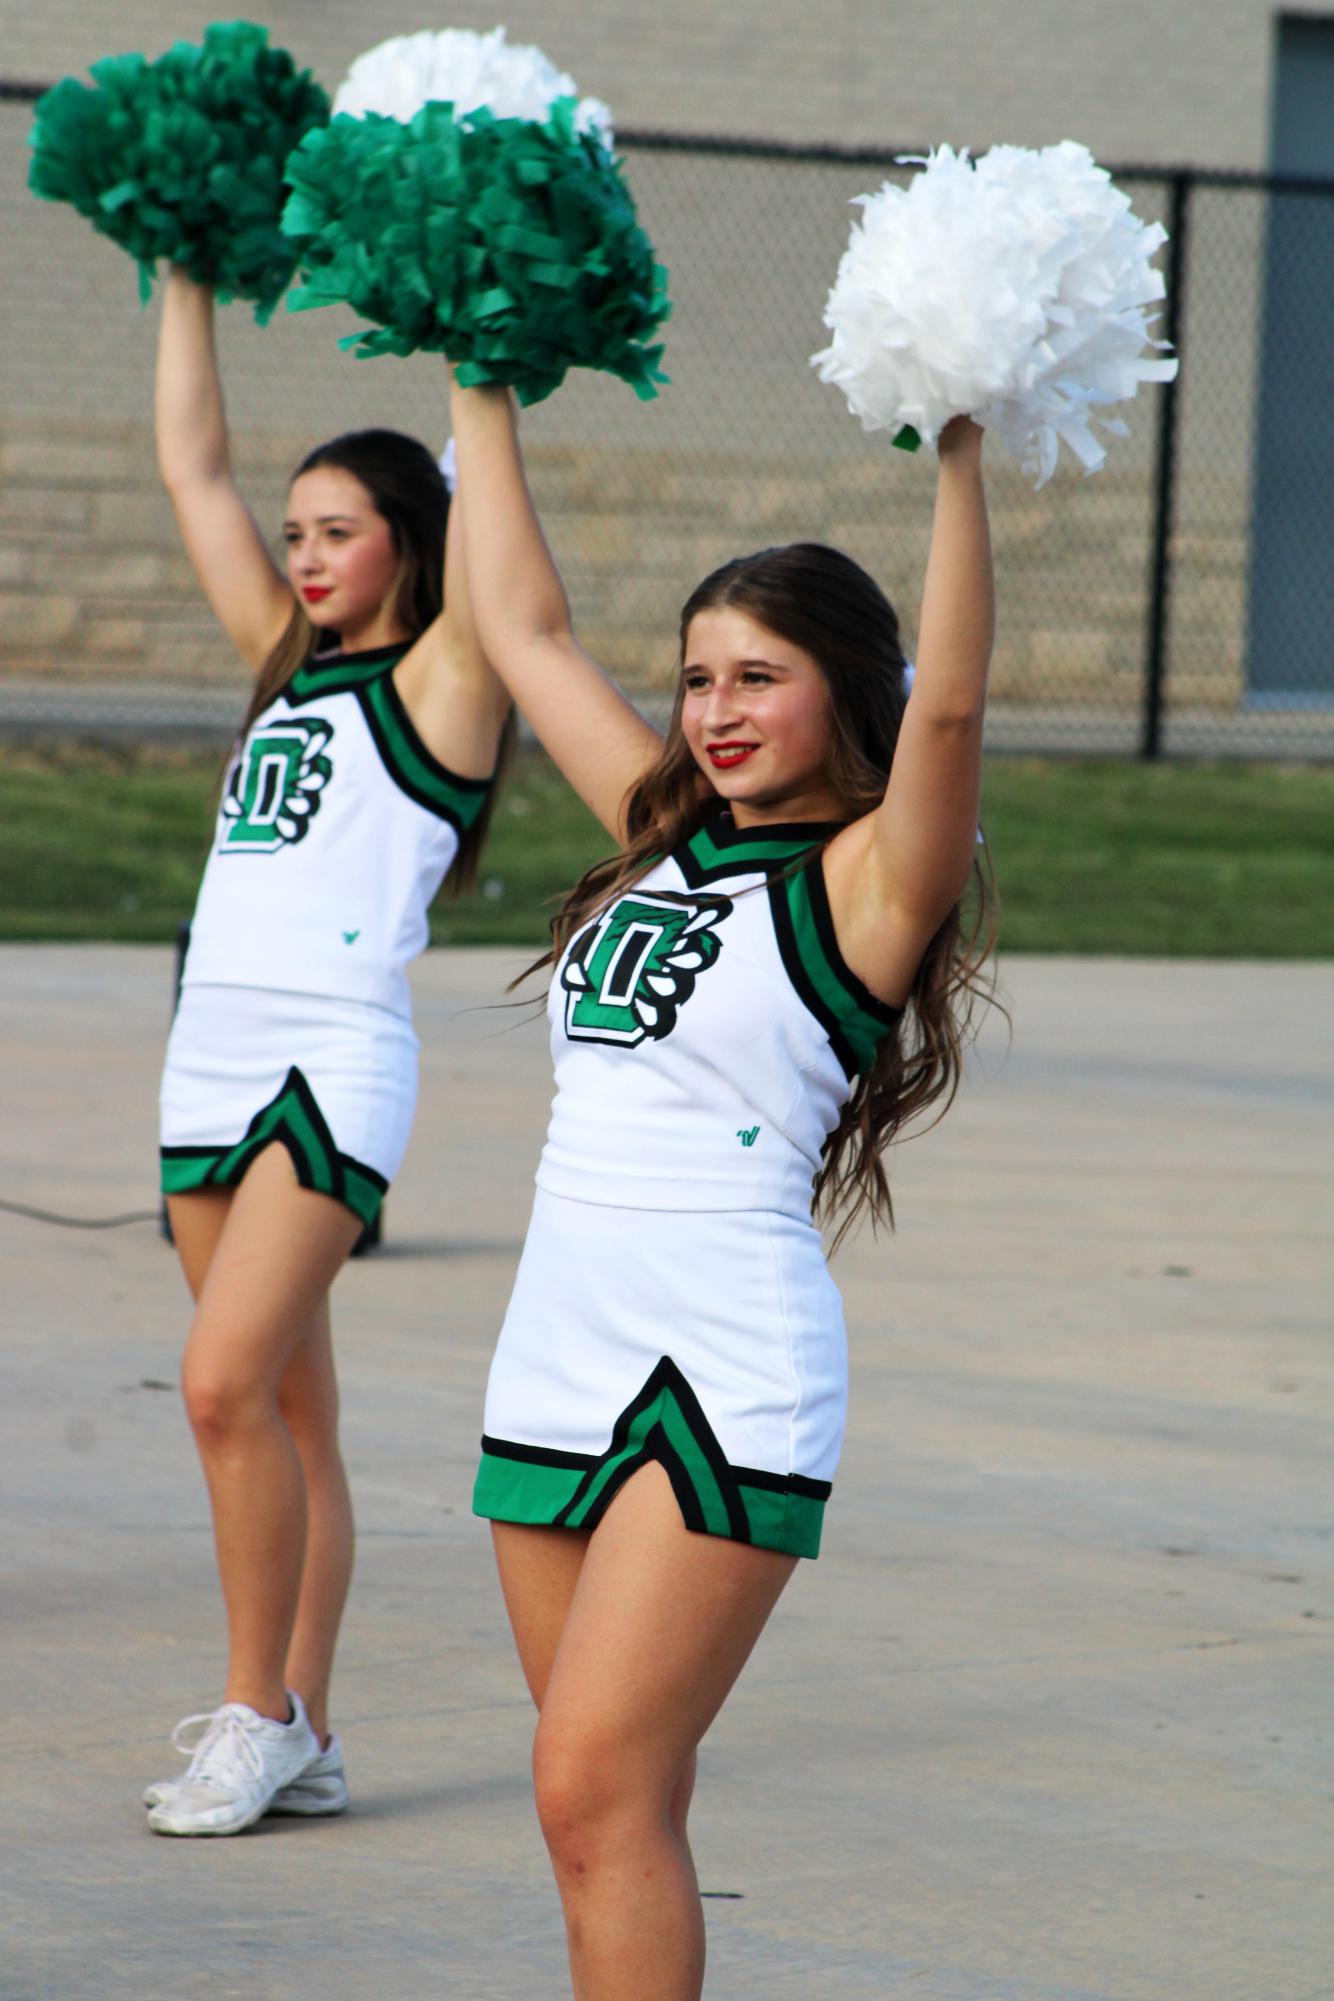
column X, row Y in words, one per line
column 240, row 1763
column 321, row 1788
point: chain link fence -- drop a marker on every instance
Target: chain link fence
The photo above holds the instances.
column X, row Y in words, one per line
column 1153, row 608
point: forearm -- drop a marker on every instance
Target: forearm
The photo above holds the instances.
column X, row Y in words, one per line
column 516, row 591
column 523, row 618
column 958, row 617
column 458, row 622
column 190, row 418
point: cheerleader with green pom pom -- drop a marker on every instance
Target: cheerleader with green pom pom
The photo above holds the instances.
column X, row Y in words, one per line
column 363, row 775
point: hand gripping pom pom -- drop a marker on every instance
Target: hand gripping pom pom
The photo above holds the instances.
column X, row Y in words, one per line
column 1013, row 292
column 182, row 159
column 469, row 71
column 509, row 242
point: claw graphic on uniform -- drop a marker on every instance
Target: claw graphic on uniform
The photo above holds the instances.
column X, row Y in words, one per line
column 274, row 790
column 632, row 971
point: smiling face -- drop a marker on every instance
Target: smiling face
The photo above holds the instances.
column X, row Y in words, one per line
column 341, row 559
column 758, row 720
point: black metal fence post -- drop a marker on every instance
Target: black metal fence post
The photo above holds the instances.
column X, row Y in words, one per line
column 1164, row 479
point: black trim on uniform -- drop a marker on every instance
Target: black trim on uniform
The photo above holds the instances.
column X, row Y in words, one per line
column 339, row 674
column 798, row 834
column 394, row 769
column 724, row 832
column 537, row 1455
column 807, row 991
column 665, row 1375
column 824, row 923
column 365, row 657
column 784, row 1483
column 393, row 764
column 687, row 1500
column 305, row 1172
column 225, row 1166
column 576, row 1462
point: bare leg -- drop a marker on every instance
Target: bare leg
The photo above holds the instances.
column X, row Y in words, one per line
column 659, row 1624
column 308, row 1403
column 196, row 1224
column 261, row 1299
column 539, row 1569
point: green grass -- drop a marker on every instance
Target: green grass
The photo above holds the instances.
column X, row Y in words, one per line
column 1227, row 861
column 1215, row 861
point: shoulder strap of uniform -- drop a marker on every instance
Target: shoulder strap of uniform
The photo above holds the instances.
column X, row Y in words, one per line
column 856, row 1022
column 411, row 765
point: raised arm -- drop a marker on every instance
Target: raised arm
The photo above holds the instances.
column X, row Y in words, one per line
column 457, row 704
column 239, row 578
column 600, row 742
column 894, row 876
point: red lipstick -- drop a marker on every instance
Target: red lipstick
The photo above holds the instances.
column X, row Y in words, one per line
column 312, row 593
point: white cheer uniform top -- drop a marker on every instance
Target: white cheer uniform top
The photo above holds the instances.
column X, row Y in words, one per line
column 337, row 827
column 705, row 1031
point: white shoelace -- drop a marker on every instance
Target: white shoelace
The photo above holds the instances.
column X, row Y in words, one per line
column 224, row 1753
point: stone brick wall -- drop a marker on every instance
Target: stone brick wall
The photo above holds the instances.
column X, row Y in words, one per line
column 746, row 447
column 93, row 586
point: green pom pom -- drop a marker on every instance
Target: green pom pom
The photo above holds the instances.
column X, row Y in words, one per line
column 183, row 158
column 511, row 245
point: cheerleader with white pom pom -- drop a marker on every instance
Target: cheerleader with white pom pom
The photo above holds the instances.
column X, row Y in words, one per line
column 771, row 977
column 750, row 998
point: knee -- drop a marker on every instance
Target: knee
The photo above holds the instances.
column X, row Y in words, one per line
column 222, row 1401
column 590, row 1796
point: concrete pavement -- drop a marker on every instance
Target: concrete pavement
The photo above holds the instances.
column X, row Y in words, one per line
column 1048, row 1721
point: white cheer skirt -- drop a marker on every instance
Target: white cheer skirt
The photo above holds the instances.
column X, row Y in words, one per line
column 333, row 1081
column 712, row 1343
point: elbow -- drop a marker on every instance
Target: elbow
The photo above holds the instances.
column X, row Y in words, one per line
column 181, row 474
column 170, row 472
column 954, row 713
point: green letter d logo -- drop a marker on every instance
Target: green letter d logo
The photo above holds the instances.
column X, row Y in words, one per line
column 630, row 973
column 274, row 790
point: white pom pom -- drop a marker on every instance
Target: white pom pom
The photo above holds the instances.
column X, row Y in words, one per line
column 1013, row 292
column 400, row 76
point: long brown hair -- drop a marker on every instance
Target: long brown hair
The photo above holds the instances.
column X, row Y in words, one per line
column 408, row 490
column 820, row 600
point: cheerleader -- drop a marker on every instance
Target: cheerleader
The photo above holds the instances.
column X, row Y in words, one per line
column 363, row 775
column 749, row 999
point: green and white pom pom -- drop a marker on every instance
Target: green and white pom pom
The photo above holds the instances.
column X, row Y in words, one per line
column 511, row 244
column 182, row 159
